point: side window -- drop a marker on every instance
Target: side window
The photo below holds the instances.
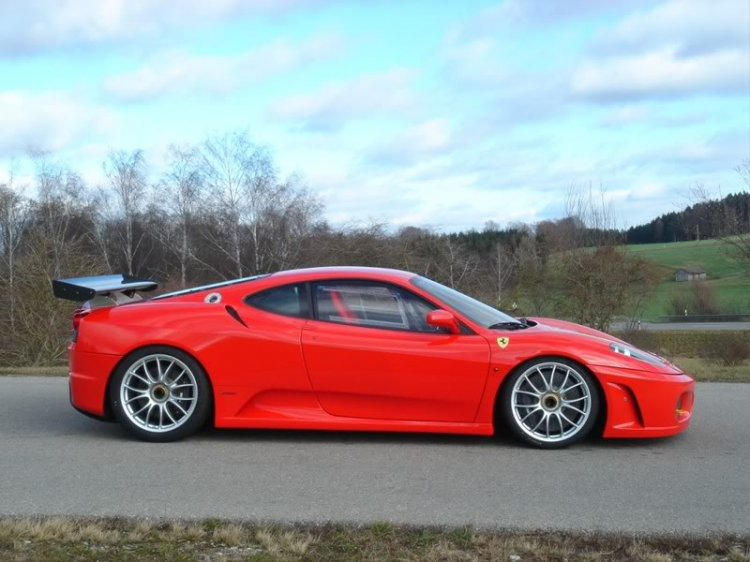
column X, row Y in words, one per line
column 289, row 300
column 371, row 304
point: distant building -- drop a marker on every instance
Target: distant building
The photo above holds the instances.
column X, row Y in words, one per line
column 689, row 274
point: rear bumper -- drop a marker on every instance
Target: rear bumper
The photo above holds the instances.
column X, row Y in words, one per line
column 642, row 404
column 89, row 374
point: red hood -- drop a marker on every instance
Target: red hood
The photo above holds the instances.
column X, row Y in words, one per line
column 575, row 328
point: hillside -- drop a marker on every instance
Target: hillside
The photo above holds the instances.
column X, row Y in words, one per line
column 731, row 285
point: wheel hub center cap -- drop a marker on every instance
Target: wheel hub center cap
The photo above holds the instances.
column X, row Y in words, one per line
column 550, row 402
column 159, row 393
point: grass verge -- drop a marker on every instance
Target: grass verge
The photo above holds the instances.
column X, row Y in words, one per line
column 709, row 371
column 43, row 371
column 62, row 538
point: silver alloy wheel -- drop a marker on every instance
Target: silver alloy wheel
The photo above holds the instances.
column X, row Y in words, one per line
column 159, row 393
column 551, row 402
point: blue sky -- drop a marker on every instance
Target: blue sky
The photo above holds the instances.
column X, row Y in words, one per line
column 440, row 113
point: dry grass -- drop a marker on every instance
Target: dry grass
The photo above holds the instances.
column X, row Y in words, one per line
column 709, row 371
column 62, row 538
column 231, row 535
column 39, row 371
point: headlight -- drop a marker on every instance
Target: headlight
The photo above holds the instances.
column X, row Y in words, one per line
column 635, row 353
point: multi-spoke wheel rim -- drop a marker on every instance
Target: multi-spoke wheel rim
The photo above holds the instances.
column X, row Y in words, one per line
column 551, row 402
column 159, row 393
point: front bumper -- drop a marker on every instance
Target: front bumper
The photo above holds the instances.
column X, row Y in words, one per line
column 89, row 374
column 642, row 404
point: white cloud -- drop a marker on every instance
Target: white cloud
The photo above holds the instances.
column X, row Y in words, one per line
column 696, row 156
column 424, row 140
column 430, row 136
column 451, row 202
column 675, row 49
column 647, row 190
column 178, row 72
column 662, row 74
column 626, row 114
column 37, row 25
column 365, row 96
column 652, row 114
column 47, row 120
column 693, row 26
column 514, row 15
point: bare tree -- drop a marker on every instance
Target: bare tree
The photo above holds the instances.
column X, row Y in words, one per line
column 287, row 220
column 503, row 267
column 128, row 183
column 14, row 214
column 350, row 244
column 490, row 226
column 535, row 284
column 240, row 179
column 60, row 193
column 453, row 262
column 43, row 239
column 181, row 195
column 102, row 220
column 602, row 282
column 596, row 277
column 43, row 322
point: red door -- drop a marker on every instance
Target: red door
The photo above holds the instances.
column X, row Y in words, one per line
column 360, row 368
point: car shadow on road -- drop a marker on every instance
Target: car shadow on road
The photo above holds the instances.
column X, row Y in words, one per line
column 343, row 437
column 102, row 430
column 502, row 440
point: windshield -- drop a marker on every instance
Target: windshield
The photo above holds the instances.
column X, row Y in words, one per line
column 474, row 310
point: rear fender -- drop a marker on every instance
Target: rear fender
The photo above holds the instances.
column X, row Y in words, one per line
column 109, row 397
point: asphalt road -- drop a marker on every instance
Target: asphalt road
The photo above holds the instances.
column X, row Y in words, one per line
column 56, row 461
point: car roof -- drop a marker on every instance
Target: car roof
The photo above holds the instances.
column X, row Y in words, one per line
column 343, row 272
column 265, row 281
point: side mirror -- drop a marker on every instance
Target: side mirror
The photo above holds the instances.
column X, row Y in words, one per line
column 443, row 319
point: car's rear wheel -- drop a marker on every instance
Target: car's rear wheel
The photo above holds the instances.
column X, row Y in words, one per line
column 550, row 403
column 160, row 394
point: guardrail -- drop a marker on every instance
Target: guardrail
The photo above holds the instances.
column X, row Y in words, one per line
column 707, row 318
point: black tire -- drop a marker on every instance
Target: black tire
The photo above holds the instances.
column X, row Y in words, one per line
column 192, row 423
column 514, row 424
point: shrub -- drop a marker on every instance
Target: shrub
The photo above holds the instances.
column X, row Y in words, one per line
column 682, row 343
column 642, row 339
column 704, row 299
column 600, row 283
column 700, row 298
column 679, row 303
column 730, row 349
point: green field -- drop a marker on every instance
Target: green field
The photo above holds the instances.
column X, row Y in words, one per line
column 722, row 272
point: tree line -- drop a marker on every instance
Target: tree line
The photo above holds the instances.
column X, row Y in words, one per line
column 221, row 210
column 705, row 219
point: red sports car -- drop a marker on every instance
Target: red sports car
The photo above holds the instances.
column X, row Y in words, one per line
column 353, row 348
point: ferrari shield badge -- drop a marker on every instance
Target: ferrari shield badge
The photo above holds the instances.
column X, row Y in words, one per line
column 503, row 342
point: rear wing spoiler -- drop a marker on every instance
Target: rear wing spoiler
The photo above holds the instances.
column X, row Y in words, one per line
column 103, row 290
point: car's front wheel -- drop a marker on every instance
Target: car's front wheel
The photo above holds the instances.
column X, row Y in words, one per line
column 550, row 403
column 160, row 394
